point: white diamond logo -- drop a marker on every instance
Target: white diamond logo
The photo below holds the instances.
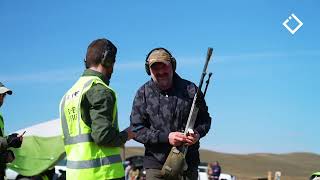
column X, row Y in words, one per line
column 285, row 24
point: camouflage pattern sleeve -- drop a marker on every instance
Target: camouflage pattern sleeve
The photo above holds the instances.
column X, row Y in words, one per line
column 140, row 116
column 203, row 121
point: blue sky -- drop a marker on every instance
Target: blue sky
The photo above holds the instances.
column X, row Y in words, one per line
column 264, row 94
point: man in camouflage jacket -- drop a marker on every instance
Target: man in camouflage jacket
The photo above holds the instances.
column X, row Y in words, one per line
column 162, row 106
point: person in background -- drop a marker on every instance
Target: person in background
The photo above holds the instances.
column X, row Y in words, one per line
column 127, row 170
column 216, row 170
column 134, row 173
column 89, row 120
column 13, row 140
column 209, row 171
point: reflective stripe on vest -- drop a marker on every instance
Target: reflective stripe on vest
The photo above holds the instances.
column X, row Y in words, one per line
column 94, row 163
column 85, row 159
column 78, row 139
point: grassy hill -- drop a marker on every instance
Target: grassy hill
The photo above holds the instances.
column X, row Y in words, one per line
column 293, row 166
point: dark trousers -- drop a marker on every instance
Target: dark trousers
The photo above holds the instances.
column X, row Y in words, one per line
column 155, row 174
column 2, row 173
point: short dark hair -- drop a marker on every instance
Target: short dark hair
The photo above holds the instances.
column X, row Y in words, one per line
column 100, row 51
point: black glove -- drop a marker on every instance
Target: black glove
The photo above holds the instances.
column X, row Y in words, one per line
column 10, row 156
column 7, row 156
column 14, row 141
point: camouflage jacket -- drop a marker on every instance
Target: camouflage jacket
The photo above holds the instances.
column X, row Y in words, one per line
column 162, row 112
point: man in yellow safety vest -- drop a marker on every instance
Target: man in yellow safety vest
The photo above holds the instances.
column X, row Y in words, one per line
column 88, row 113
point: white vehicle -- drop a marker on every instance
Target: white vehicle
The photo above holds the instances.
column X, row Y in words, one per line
column 315, row 176
column 10, row 174
column 202, row 170
column 224, row 176
column 202, row 173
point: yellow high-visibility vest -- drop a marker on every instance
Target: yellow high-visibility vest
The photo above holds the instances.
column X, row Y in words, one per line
column 85, row 159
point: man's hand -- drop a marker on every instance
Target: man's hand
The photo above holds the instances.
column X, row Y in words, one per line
column 131, row 134
column 176, row 138
column 192, row 137
column 14, row 140
column 9, row 156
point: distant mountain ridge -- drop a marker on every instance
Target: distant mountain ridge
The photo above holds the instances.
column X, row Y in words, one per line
column 293, row 166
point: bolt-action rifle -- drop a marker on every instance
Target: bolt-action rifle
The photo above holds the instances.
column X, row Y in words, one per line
column 175, row 163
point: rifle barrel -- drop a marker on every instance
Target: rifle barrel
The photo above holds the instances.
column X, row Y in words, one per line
column 194, row 108
column 204, row 71
column 207, row 83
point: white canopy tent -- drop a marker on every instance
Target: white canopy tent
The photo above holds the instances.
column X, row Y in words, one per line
column 45, row 129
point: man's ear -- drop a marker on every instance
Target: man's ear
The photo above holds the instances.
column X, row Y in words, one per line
column 110, row 69
column 106, row 70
